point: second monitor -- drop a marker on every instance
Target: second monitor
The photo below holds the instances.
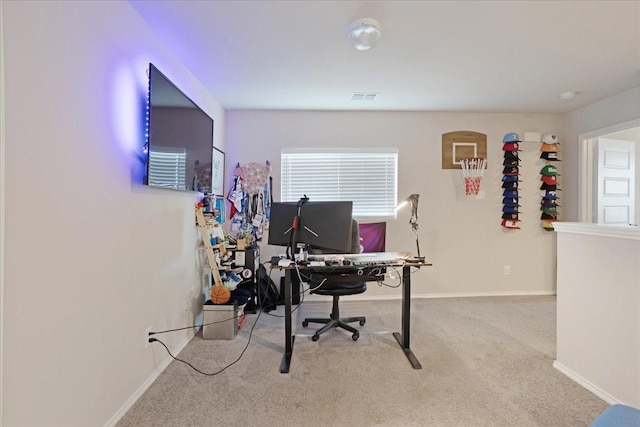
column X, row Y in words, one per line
column 321, row 225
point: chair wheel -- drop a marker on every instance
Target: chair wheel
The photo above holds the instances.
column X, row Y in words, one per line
column 355, row 336
column 362, row 323
column 305, row 323
column 315, row 338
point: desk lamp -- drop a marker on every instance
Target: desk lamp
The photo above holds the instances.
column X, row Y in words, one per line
column 413, row 220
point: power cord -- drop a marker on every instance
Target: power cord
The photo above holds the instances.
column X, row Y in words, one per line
column 302, row 278
column 152, row 340
column 192, row 326
column 281, row 300
column 382, row 283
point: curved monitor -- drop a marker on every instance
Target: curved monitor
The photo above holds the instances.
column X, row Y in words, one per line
column 321, row 225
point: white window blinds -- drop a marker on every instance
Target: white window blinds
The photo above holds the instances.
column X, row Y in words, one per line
column 368, row 177
column 168, row 168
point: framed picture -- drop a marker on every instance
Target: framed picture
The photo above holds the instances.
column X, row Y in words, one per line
column 217, row 170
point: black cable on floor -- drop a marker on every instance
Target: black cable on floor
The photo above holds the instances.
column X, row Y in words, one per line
column 212, row 373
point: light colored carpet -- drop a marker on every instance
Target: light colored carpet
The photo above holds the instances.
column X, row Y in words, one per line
column 486, row 362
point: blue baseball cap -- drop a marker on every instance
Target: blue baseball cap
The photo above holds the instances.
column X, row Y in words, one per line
column 510, row 202
column 510, row 209
column 510, row 193
column 511, row 137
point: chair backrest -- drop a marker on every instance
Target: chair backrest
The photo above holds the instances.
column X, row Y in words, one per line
column 341, row 279
column 356, row 248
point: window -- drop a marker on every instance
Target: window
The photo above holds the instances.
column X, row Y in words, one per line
column 368, row 177
column 167, row 168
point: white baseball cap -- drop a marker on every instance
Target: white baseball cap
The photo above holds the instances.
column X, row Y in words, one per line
column 550, row 138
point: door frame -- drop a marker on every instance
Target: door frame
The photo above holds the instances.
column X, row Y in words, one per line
column 585, row 167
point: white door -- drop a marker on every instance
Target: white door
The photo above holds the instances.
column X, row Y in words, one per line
column 616, row 181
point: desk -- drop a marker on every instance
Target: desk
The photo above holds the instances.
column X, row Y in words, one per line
column 381, row 259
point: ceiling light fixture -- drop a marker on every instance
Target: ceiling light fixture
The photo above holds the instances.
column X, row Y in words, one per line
column 568, row 95
column 364, row 33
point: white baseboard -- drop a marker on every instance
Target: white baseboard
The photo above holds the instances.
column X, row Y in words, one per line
column 367, row 297
column 140, row 391
column 586, row 384
column 486, row 294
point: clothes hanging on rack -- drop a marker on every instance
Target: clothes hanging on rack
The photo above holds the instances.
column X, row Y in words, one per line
column 250, row 198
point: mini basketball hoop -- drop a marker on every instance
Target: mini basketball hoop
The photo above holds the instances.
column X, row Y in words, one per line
column 472, row 171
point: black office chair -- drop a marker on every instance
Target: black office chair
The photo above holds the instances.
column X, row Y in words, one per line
column 337, row 285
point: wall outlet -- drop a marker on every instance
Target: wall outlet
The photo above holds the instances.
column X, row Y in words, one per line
column 147, row 336
column 507, row 270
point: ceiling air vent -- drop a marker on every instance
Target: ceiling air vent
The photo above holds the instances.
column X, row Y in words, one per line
column 364, row 96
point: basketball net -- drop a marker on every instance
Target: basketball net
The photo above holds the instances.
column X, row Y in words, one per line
column 472, row 171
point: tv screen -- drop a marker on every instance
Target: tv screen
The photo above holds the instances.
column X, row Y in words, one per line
column 179, row 138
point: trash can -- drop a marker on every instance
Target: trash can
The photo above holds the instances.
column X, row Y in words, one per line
column 220, row 321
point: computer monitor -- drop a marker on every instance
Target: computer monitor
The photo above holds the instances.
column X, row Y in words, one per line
column 321, row 225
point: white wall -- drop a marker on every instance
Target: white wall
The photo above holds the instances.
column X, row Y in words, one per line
column 617, row 109
column 598, row 310
column 92, row 258
column 463, row 238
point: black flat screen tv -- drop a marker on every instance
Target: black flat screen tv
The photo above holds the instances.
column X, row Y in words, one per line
column 179, row 146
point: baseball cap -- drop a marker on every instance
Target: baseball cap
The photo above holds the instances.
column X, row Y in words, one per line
column 550, row 138
column 549, row 211
column 549, row 179
column 510, row 193
column 550, row 194
column 549, row 156
column 549, row 217
column 507, row 223
column 550, row 170
column 511, row 155
column 510, row 201
column 511, row 137
column 549, row 203
column 511, row 146
column 514, row 162
column 511, row 216
column 509, row 209
column 548, row 147
column 547, row 225
column 510, row 185
column 546, row 186
column 510, row 178
column 510, row 170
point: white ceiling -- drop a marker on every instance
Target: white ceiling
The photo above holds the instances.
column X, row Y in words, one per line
column 481, row 56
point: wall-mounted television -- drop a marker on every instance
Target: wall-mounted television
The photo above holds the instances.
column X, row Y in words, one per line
column 179, row 134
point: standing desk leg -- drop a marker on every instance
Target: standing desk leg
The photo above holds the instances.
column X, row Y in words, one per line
column 403, row 339
column 289, row 338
